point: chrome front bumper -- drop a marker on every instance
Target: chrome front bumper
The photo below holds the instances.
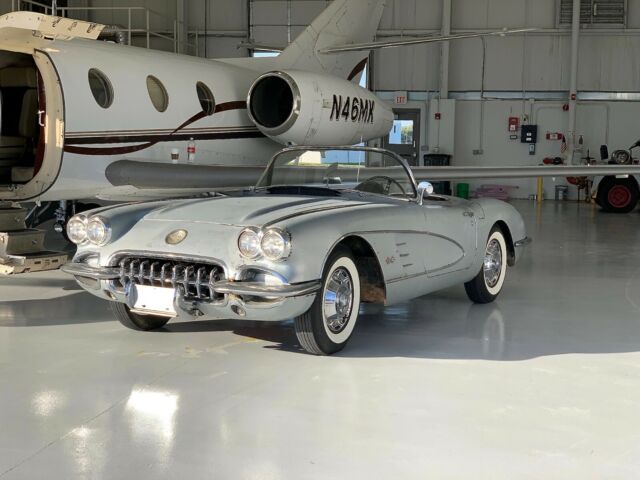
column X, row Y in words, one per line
column 242, row 300
column 519, row 247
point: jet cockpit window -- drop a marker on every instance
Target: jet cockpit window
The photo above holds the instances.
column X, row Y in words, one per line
column 100, row 88
column 157, row 93
column 205, row 97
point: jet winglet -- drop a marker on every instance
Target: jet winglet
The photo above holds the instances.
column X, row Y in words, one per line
column 49, row 27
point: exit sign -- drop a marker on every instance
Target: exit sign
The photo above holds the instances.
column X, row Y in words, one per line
column 401, row 98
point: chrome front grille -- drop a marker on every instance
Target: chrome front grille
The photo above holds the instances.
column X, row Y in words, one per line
column 195, row 280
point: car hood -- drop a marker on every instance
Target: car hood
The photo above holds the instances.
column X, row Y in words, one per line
column 249, row 211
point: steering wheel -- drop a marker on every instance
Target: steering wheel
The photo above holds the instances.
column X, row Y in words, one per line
column 381, row 181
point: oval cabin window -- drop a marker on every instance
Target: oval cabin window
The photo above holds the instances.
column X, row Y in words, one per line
column 205, row 97
column 157, row 93
column 100, row 88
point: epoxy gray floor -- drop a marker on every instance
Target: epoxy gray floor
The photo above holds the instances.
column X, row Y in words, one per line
column 543, row 384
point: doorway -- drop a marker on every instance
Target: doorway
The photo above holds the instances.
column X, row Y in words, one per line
column 404, row 138
column 21, row 111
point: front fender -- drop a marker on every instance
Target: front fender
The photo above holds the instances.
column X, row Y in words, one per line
column 314, row 237
column 499, row 212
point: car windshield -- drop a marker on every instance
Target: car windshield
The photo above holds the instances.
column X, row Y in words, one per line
column 369, row 171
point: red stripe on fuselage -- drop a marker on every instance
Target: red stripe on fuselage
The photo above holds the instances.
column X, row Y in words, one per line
column 150, row 139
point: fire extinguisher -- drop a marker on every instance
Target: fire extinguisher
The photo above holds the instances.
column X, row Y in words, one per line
column 191, row 151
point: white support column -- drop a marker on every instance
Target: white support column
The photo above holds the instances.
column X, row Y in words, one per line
column 182, row 26
column 444, row 56
column 573, row 88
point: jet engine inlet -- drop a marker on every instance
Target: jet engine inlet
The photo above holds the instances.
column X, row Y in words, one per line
column 274, row 102
column 294, row 107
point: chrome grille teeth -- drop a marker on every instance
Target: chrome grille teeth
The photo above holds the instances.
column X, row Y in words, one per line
column 132, row 267
column 202, row 272
column 166, row 267
column 152, row 274
column 193, row 280
column 186, row 276
column 143, row 264
column 175, row 273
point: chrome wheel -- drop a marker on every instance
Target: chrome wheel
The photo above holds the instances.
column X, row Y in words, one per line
column 488, row 282
column 338, row 300
column 492, row 263
column 328, row 324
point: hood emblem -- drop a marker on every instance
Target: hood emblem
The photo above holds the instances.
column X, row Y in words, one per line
column 176, row 237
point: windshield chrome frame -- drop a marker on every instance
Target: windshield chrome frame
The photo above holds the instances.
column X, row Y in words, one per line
column 381, row 151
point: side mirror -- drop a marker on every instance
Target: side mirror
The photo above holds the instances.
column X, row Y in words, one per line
column 424, row 188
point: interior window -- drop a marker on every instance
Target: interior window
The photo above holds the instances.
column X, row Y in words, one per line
column 205, row 97
column 157, row 93
column 100, row 88
column 401, row 133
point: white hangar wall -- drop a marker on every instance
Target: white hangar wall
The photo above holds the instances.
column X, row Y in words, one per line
column 535, row 66
column 609, row 58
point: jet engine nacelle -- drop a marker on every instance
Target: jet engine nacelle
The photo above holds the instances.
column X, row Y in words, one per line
column 302, row 108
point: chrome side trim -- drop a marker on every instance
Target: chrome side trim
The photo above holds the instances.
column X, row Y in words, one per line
column 429, row 273
column 406, row 232
column 403, row 232
column 408, row 277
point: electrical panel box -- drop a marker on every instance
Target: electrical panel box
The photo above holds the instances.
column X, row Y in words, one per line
column 529, row 134
column 441, row 133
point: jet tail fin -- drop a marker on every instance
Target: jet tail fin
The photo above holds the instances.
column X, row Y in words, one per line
column 342, row 22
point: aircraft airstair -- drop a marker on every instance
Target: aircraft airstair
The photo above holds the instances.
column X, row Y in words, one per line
column 22, row 249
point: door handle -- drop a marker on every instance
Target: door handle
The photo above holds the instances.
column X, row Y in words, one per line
column 468, row 214
column 40, row 117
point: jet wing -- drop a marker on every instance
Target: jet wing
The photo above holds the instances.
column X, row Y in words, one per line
column 358, row 47
column 152, row 175
column 158, row 176
column 26, row 27
column 470, row 173
column 261, row 47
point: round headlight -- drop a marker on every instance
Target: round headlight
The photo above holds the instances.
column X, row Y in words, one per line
column 98, row 232
column 275, row 245
column 77, row 229
column 249, row 243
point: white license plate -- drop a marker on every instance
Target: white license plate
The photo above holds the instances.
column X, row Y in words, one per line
column 155, row 300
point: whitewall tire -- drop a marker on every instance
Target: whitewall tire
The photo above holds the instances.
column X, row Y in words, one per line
column 488, row 283
column 328, row 325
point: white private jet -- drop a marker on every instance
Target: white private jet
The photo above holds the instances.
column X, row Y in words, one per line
column 83, row 118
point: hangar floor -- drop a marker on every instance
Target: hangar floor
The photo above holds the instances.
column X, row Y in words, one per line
column 543, row 384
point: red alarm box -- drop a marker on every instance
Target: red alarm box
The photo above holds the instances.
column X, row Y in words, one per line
column 514, row 124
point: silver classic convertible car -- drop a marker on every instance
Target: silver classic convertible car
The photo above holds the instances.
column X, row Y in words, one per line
column 324, row 231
